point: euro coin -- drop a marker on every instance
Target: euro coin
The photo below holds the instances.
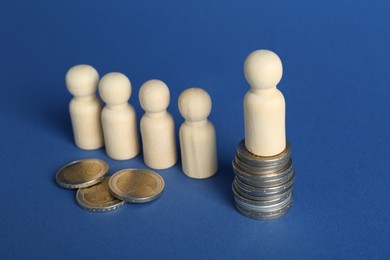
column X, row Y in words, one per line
column 136, row 185
column 98, row 198
column 82, row 173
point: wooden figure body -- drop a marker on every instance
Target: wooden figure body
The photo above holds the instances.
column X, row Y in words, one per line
column 85, row 107
column 264, row 105
column 197, row 135
column 119, row 119
column 157, row 126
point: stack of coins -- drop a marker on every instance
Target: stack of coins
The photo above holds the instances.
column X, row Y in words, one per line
column 263, row 186
column 98, row 192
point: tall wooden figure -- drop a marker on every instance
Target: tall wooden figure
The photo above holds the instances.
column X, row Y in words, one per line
column 85, row 107
column 197, row 135
column 264, row 105
column 119, row 119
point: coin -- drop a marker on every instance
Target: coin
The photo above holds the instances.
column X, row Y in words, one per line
column 261, row 161
column 268, row 183
column 260, row 201
column 265, row 215
column 136, row 185
column 271, row 179
column 263, row 191
column 260, row 198
column 268, row 208
column 97, row 198
column 260, row 170
column 82, row 173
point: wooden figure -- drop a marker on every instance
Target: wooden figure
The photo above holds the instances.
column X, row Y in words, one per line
column 85, row 107
column 119, row 119
column 197, row 135
column 264, row 105
column 157, row 126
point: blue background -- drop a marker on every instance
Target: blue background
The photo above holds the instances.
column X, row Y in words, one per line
column 336, row 60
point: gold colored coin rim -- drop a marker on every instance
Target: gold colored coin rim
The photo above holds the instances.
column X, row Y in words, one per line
column 99, row 176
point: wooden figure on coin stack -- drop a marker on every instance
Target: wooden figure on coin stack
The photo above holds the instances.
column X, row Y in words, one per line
column 197, row 135
column 264, row 105
column 85, row 108
column 157, row 126
column 119, row 119
column 264, row 174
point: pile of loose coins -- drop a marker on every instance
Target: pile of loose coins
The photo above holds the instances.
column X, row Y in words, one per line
column 98, row 192
column 263, row 186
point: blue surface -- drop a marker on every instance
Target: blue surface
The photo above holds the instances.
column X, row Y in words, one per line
column 336, row 61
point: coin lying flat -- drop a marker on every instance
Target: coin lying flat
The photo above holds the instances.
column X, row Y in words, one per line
column 268, row 197
column 265, row 209
column 261, row 171
column 264, row 215
column 98, row 198
column 272, row 179
column 258, row 201
column 263, row 191
column 82, row 173
column 260, row 161
column 136, row 185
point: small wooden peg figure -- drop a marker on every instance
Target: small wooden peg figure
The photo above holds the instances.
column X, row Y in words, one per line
column 197, row 135
column 157, row 126
column 85, row 107
column 119, row 119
